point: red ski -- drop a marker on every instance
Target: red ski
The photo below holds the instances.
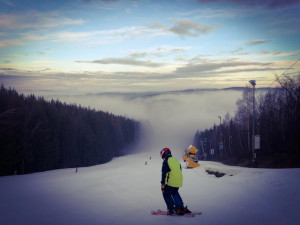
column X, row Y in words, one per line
column 165, row 213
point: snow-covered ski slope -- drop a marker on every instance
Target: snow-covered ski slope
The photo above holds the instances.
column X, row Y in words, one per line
column 125, row 190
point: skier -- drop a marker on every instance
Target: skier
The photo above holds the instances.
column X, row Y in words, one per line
column 171, row 180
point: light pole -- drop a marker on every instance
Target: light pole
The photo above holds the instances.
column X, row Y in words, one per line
column 253, row 83
column 220, row 143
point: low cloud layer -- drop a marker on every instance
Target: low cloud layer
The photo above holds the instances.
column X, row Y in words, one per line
column 170, row 119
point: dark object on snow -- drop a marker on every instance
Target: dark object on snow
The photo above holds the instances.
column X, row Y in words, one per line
column 165, row 213
column 216, row 173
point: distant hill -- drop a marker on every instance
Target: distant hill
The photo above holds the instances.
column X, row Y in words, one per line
column 152, row 94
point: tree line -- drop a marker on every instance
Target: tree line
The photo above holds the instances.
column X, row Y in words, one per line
column 39, row 135
column 276, row 123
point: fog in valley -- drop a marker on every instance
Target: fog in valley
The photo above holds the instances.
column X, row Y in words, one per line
column 168, row 119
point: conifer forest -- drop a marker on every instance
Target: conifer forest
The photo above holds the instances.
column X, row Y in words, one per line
column 276, row 123
column 39, row 135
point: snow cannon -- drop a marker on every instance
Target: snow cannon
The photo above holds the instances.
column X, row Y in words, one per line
column 190, row 157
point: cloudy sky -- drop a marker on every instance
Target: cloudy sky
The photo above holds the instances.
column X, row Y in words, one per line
column 91, row 46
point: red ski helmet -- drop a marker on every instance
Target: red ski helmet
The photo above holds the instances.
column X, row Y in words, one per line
column 164, row 152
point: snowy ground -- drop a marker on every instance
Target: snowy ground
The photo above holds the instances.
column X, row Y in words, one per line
column 125, row 190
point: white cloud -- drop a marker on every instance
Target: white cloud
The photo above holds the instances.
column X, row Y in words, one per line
column 158, row 51
column 35, row 19
column 207, row 13
column 272, row 4
column 186, row 28
column 11, row 42
column 102, row 37
column 124, row 61
column 215, row 68
column 8, row 2
column 256, row 42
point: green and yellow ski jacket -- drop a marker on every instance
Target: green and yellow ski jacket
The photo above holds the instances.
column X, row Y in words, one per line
column 171, row 173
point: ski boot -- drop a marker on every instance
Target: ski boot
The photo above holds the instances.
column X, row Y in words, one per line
column 185, row 209
column 179, row 211
column 171, row 212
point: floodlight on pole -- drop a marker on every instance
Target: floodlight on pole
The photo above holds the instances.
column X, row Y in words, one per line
column 220, row 142
column 253, row 83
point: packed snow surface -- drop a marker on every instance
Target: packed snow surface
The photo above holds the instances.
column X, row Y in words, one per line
column 125, row 191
